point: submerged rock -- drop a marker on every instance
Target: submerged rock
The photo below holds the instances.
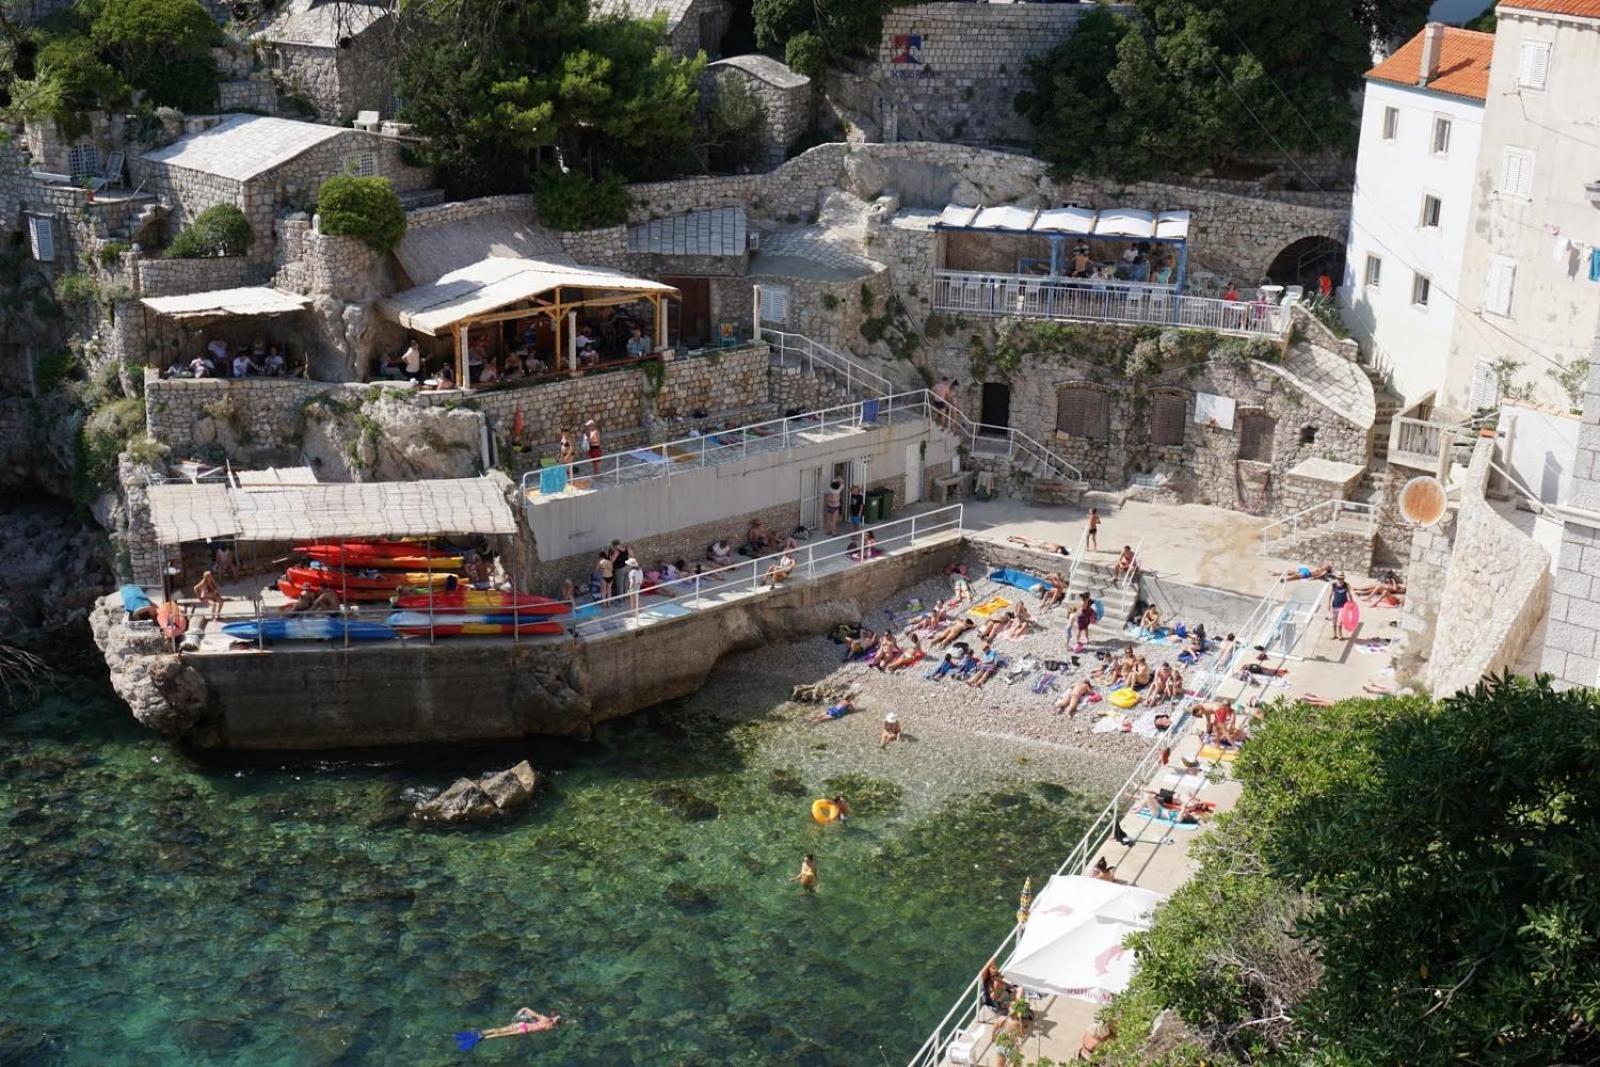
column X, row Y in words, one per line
column 487, row 798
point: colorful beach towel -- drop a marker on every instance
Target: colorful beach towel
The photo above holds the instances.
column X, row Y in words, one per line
column 552, row 480
column 1028, row 583
column 1219, row 755
column 645, row 455
column 990, row 606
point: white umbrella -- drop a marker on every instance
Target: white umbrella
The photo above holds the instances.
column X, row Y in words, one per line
column 1072, row 944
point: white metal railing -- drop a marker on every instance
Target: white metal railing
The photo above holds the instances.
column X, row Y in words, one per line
column 1017, row 443
column 724, row 446
column 799, row 351
column 1077, row 558
column 977, row 293
column 1133, row 568
column 970, row 1002
column 755, row 574
column 1352, row 515
column 1418, row 442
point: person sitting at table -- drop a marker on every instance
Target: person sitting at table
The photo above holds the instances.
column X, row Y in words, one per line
column 274, row 365
column 513, row 368
column 177, row 368
column 258, row 348
column 446, row 379
column 490, row 375
column 411, row 361
column 587, row 353
column 392, row 369
column 638, row 345
column 1164, row 274
column 219, row 351
column 242, row 366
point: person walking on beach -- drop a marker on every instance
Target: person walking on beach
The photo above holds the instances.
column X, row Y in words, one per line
column 1093, row 540
column 831, row 501
column 1338, row 598
column 808, row 874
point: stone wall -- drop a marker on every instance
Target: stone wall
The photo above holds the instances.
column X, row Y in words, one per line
column 950, row 71
column 1495, row 592
column 336, row 82
column 178, row 277
column 248, row 94
column 1572, row 638
column 784, row 95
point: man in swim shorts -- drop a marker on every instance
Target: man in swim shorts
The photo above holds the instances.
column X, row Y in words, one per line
column 833, row 711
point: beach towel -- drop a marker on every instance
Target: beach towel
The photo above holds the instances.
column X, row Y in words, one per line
column 1169, row 821
column 1219, row 755
column 1045, row 682
column 552, row 480
column 990, row 606
column 133, row 598
column 1018, row 579
column 645, row 455
column 664, row 611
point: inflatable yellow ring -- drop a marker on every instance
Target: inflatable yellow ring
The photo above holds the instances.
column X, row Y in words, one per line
column 1124, row 698
column 824, row 810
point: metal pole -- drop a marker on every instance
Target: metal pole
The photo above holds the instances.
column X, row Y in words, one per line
column 516, row 619
column 429, row 544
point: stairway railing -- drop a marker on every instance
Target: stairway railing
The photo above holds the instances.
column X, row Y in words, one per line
column 1363, row 516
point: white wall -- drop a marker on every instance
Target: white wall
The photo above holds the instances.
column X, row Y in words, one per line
column 1542, row 447
column 586, row 522
column 1411, row 343
column 1554, row 306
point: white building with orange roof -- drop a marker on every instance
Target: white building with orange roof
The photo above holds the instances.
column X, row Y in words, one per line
column 1420, row 128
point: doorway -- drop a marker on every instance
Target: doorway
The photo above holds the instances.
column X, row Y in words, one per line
column 994, row 409
column 914, row 471
column 689, row 319
column 811, row 497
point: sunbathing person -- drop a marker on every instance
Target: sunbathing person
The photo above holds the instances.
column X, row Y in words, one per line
column 887, row 649
column 1389, row 589
column 1298, row 574
column 1054, row 591
column 779, row 570
column 1021, row 623
column 929, row 622
column 758, row 538
column 858, row 646
column 995, row 625
column 1042, row 546
column 946, row 666
column 311, row 600
column 951, row 632
column 718, row 553
column 1189, row 810
column 1125, row 565
column 1193, row 648
column 988, row 665
column 1074, row 696
column 833, row 711
column 1169, row 684
column 1141, row 676
column 908, row 656
column 1150, row 621
column 966, row 666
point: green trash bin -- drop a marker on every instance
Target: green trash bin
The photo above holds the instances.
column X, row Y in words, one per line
column 872, row 513
column 885, row 504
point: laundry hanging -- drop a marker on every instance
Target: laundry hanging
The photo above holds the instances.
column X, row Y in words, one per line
column 1594, row 264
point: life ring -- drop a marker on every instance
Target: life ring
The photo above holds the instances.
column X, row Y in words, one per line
column 1124, row 698
column 824, row 811
column 1349, row 615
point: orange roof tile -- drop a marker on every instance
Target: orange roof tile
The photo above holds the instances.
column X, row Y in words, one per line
column 1588, row 9
column 1463, row 61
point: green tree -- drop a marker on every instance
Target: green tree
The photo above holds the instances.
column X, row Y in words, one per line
column 367, row 208
column 71, row 79
column 829, row 29
column 1403, row 881
column 220, row 230
column 160, row 46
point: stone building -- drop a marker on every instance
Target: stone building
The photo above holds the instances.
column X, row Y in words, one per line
column 692, row 25
column 784, row 96
column 262, row 165
column 332, row 57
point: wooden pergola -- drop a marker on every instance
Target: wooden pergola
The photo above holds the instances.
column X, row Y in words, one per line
column 502, row 289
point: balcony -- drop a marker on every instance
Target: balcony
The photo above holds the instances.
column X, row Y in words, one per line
column 1417, row 443
column 1132, row 303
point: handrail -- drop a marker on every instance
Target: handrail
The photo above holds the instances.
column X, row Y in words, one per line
column 966, row 1007
column 1126, row 580
column 1303, row 519
column 1016, row 441
column 809, row 353
column 1077, row 557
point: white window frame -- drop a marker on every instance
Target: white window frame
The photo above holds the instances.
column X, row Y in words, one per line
column 1391, row 123
column 42, row 238
column 1516, row 173
column 1438, row 214
column 1499, row 286
column 1533, row 66
column 1485, row 391
column 1441, row 126
column 775, row 304
column 1421, row 285
column 1372, row 277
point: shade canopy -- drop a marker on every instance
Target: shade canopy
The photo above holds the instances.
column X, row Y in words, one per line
column 251, row 300
column 1072, row 945
column 187, row 512
column 1106, row 222
column 495, row 283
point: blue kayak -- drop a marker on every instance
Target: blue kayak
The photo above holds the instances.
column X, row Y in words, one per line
column 308, row 628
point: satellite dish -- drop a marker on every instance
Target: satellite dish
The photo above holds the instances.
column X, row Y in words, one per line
column 1422, row 501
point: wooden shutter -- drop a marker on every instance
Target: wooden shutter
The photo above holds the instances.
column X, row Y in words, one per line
column 1083, row 411
column 1255, row 437
column 1169, row 415
column 1535, row 67
column 1485, row 386
column 42, row 238
column 1498, row 285
column 1516, row 178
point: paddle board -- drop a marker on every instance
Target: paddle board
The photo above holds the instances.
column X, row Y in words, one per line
column 308, row 628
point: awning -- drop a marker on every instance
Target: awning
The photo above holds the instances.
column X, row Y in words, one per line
column 1108, row 222
column 1005, row 218
column 1072, row 945
column 275, row 478
column 251, row 300
column 956, row 217
column 494, row 283
column 1172, row 225
column 1125, row 222
column 183, row 513
column 1078, row 220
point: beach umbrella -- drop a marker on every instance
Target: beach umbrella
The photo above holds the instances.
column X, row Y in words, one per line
column 1026, row 901
column 1073, row 943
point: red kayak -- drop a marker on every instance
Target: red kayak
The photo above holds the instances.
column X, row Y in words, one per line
column 483, row 600
column 416, row 558
column 376, row 596
column 373, row 548
column 334, row 578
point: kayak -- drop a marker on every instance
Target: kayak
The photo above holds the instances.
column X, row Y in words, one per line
column 373, row 596
column 525, row 603
column 340, row 580
column 308, row 628
column 375, row 548
column 360, row 556
column 416, row 623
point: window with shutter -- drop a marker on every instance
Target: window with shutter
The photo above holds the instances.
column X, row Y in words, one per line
column 1516, row 175
column 1169, row 415
column 774, row 304
column 1432, row 210
column 1441, row 136
column 1498, row 284
column 1391, row 122
column 1255, row 437
column 1374, row 271
column 1485, row 385
column 1083, row 410
column 83, row 161
column 42, row 238
column 1534, row 69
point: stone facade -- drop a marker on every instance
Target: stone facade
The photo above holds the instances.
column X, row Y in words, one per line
column 177, row 277
column 337, row 82
column 1572, row 638
column 248, row 94
column 784, row 95
column 1316, row 481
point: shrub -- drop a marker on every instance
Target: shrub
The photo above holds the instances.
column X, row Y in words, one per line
column 106, row 433
column 573, row 201
column 217, row 231
column 806, row 54
column 367, row 208
column 76, row 289
column 162, row 47
column 111, row 253
column 72, row 79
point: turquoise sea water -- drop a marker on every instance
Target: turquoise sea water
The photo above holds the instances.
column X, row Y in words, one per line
column 156, row 909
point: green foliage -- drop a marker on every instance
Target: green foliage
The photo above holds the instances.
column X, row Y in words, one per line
column 735, row 128
column 1483, row 22
column 220, row 230
column 813, row 33
column 110, row 254
column 1573, row 380
column 655, row 374
column 806, row 54
column 55, row 369
column 71, row 79
column 1404, row 881
column 1175, row 93
column 572, row 201
column 1327, row 313
column 160, row 46
column 490, row 85
column 367, row 208
column 106, row 432
column 76, row 290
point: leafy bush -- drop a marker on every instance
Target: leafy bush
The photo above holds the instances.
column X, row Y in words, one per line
column 72, row 79
column 76, row 289
column 111, row 253
column 367, row 208
column 806, row 54
column 735, row 127
column 217, row 231
column 160, row 46
column 572, row 201
column 106, row 432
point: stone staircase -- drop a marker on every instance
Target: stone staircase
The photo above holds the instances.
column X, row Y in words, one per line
column 1098, row 579
column 1388, row 405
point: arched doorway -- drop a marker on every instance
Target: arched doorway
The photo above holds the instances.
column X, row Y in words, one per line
column 1303, row 261
column 994, row 410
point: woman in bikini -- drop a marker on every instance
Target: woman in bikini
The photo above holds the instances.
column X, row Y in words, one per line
column 808, row 874
column 1074, row 696
column 1022, row 624
column 1054, row 592
column 993, row 628
column 209, row 593
column 908, row 657
column 951, row 632
column 526, row 1021
column 888, row 649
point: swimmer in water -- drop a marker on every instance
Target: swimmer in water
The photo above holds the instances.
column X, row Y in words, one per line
column 808, row 874
column 525, row 1021
column 842, row 806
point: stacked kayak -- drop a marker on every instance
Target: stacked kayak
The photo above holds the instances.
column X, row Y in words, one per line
column 308, row 628
column 493, row 600
column 317, row 576
column 420, row 624
column 386, row 555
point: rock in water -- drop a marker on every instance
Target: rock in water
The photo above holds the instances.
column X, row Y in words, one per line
column 490, row 797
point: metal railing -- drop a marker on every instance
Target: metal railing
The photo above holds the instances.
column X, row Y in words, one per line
column 1017, row 443
column 768, row 571
column 1353, row 516
column 799, row 351
column 1417, row 443
column 977, row 293
column 970, row 1002
column 1133, row 567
